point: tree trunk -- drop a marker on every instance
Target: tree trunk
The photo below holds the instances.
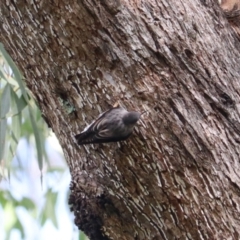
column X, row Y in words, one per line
column 177, row 177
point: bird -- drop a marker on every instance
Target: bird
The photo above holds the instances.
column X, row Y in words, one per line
column 116, row 124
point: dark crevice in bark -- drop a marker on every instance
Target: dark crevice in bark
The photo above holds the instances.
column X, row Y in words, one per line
column 219, row 108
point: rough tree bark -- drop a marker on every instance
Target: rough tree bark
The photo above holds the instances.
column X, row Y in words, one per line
column 177, row 177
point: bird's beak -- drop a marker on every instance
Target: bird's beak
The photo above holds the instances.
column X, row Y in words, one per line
column 143, row 112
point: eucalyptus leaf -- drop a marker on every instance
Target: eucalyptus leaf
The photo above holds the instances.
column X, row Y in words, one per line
column 37, row 138
column 3, row 127
column 7, row 78
column 52, row 199
column 5, row 101
column 3, row 199
column 27, row 203
column 18, row 103
column 82, row 236
column 1, row 73
column 16, row 128
column 18, row 225
column 16, row 72
column 49, row 208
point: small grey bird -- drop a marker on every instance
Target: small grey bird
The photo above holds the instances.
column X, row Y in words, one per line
column 116, row 124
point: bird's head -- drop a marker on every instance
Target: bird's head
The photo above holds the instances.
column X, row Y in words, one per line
column 131, row 118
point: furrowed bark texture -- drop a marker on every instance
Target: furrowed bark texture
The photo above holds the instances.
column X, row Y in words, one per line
column 177, row 177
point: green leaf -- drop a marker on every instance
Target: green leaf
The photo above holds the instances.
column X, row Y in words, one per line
column 82, row 236
column 19, row 103
column 12, row 151
column 16, row 128
column 3, row 199
column 49, row 209
column 4, row 109
column 16, row 72
column 8, row 156
column 1, row 73
column 5, row 101
column 37, row 138
column 7, row 78
column 18, row 225
column 3, row 127
column 27, row 203
column 56, row 169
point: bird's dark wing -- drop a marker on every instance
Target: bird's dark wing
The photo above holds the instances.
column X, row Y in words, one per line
column 97, row 132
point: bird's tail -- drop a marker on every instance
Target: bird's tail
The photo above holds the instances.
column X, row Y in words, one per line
column 84, row 138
